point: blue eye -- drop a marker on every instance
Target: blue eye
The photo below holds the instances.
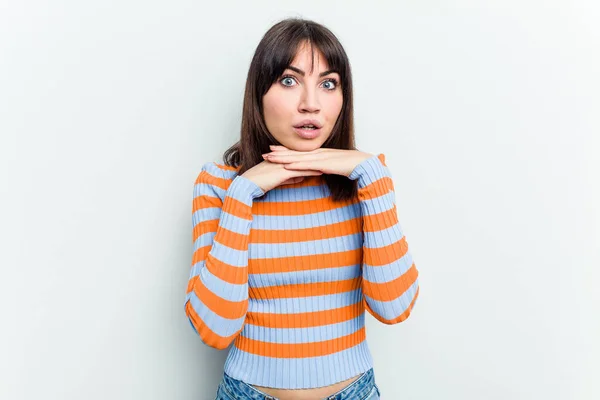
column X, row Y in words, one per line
column 334, row 81
column 286, row 77
column 330, row 80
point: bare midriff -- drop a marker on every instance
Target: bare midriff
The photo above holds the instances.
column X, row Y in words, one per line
column 306, row 394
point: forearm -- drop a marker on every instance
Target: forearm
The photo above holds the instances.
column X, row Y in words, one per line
column 390, row 278
column 217, row 294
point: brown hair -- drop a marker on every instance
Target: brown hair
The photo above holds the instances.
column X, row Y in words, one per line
column 275, row 52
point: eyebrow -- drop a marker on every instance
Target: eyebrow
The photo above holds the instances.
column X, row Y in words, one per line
column 298, row 70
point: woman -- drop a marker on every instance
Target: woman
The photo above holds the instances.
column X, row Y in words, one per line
column 296, row 233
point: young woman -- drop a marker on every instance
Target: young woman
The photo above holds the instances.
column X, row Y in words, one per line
column 296, row 233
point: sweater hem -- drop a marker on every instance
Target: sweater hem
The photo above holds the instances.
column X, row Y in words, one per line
column 298, row 373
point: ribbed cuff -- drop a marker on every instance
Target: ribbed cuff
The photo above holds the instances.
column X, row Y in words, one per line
column 244, row 190
column 369, row 170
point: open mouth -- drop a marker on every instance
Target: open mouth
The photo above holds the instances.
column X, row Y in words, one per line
column 307, row 131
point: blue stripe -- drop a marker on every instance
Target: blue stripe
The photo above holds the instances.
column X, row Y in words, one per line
column 282, row 194
column 216, row 191
column 394, row 308
column 303, row 335
column 314, row 247
column 204, row 240
column 380, row 204
column 205, row 214
column 205, row 189
column 309, row 220
column 226, row 220
column 389, row 272
column 225, row 290
column 212, row 168
column 221, row 326
column 384, row 237
column 233, row 257
column 368, row 171
column 310, row 276
column 306, row 304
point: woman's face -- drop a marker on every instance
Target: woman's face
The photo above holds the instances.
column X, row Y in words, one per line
column 297, row 96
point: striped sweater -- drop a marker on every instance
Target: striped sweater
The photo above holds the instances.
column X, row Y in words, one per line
column 286, row 275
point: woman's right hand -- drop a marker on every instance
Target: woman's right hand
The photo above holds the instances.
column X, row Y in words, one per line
column 268, row 175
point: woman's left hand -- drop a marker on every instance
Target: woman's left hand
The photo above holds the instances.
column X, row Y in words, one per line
column 326, row 160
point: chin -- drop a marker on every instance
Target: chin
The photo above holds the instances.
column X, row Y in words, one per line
column 306, row 145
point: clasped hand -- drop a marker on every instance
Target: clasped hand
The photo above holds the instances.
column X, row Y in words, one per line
column 326, row 160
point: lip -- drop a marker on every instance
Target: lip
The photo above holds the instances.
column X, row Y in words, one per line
column 309, row 122
column 307, row 133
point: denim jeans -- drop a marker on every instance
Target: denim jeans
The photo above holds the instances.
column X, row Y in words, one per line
column 363, row 388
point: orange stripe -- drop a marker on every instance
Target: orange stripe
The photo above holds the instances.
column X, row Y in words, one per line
column 393, row 289
column 380, row 187
column 237, row 208
column 306, row 319
column 226, row 272
column 300, row 350
column 227, row 167
column 272, row 236
column 205, row 201
column 224, row 236
column 300, row 207
column 400, row 318
column 380, row 221
column 204, row 227
column 305, row 263
column 376, row 256
column 200, row 254
column 205, row 333
column 304, row 289
column 206, row 177
column 223, row 271
column 233, row 206
column 233, row 240
column 224, row 308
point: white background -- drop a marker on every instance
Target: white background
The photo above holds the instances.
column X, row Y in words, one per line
column 488, row 115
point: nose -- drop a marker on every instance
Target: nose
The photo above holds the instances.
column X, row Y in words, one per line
column 309, row 102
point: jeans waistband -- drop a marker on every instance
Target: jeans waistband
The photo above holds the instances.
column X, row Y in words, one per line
column 358, row 389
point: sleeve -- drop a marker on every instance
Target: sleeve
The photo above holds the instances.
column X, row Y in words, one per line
column 216, row 299
column 390, row 281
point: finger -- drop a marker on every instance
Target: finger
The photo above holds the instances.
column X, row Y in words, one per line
column 293, row 180
column 294, row 157
column 284, row 152
column 302, row 166
column 304, row 172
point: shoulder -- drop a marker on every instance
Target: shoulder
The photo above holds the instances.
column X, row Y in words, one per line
column 216, row 173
